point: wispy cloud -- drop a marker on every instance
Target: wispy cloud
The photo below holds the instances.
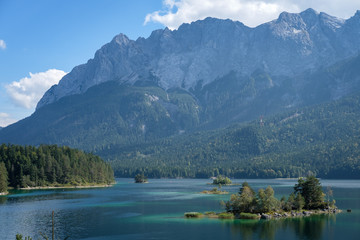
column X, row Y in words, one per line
column 6, row 119
column 2, row 44
column 250, row 12
column 27, row 91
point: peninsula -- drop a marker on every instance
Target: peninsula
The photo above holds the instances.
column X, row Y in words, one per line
column 51, row 166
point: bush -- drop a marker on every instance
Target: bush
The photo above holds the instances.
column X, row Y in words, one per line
column 210, row 213
column 193, row 215
column 248, row 216
column 226, row 216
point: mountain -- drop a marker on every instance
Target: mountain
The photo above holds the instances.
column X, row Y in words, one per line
column 206, row 75
column 201, row 52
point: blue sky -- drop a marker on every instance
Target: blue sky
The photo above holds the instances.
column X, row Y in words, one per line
column 49, row 37
column 52, row 34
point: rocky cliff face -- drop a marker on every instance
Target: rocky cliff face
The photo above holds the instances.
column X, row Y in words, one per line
column 204, row 51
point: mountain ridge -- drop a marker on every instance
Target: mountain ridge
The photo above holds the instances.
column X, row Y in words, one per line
column 207, row 49
column 114, row 113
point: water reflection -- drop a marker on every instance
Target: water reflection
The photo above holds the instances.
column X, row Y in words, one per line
column 303, row 227
column 3, row 200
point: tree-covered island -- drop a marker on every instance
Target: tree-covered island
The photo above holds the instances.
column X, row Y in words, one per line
column 49, row 166
column 222, row 180
column 141, row 178
column 307, row 199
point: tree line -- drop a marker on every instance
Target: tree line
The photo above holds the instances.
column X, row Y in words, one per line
column 49, row 165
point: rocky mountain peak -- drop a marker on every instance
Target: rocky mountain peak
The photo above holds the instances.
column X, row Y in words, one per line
column 289, row 18
column 357, row 13
column 207, row 49
column 121, row 39
column 310, row 17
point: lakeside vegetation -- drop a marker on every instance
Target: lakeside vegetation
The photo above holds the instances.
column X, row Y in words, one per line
column 51, row 166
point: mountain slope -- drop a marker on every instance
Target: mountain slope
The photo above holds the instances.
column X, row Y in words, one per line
column 109, row 113
column 321, row 139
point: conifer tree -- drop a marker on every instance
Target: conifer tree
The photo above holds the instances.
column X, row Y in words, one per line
column 310, row 190
column 3, row 178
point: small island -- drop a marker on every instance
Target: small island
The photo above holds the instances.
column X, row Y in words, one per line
column 141, row 178
column 220, row 180
column 307, row 199
column 214, row 191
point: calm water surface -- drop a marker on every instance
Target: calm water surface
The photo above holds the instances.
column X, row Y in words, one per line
column 155, row 210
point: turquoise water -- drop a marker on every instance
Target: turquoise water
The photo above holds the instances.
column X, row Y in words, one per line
column 155, row 210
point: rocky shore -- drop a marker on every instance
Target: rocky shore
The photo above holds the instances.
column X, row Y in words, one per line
column 304, row 213
column 264, row 216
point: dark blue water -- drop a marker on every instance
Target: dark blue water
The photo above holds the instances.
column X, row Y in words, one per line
column 155, row 211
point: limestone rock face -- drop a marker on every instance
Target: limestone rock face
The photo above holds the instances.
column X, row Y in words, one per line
column 203, row 51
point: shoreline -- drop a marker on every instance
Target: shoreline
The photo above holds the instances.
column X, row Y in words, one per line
column 213, row 192
column 263, row 216
column 67, row 187
column 4, row 193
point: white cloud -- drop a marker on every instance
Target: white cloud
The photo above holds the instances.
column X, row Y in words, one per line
column 5, row 119
column 2, row 44
column 250, row 12
column 27, row 91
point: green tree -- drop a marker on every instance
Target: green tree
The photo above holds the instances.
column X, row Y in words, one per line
column 271, row 203
column 140, row 178
column 246, row 184
column 310, row 189
column 3, row 178
column 221, row 180
column 290, row 203
column 244, row 202
column 299, row 202
column 266, row 200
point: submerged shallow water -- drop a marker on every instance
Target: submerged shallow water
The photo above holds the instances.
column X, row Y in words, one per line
column 155, row 211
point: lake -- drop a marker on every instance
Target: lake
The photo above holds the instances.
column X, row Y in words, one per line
column 155, row 211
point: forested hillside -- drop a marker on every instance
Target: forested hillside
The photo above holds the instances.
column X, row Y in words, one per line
column 323, row 140
column 107, row 114
column 52, row 166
